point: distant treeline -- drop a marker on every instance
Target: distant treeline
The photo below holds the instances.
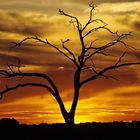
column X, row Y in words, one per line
column 10, row 129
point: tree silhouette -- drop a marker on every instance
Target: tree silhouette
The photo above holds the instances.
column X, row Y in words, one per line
column 80, row 61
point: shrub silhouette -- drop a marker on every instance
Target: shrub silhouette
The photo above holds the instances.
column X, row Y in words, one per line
column 9, row 122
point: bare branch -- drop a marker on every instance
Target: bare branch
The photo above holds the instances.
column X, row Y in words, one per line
column 90, row 16
column 20, row 43
column 73, row 23
column 65, row 14
column 110, row 77
column 24, row 85
column 93, row 77
column 103, row 27
column 9, row 66
column 14, row 65
column 92, row 62
column 19, row 65
column 128, row 46
column 4, row 73
column 120, row 58
column 79, row 25
column 93, row 69
column 93, row 30
column 91, row 46
column 39, row 75
column 105, row 54
column 91, row 20
column 70, row 52
column 86, row 68
column 108, row 45
column 47, row 43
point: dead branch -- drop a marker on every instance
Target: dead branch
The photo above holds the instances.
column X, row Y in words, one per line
column 46, row 42
column 94, row 29
column 110, row 77
column 91, row 46
column 4, row 73
column 79, row 25
column 73, row 23
column 14, row 65
column 39, row 75
column 69, row 51
column 109, row 68
column 90, row 16
column 24, row 85
column 9, row 66
column 108, row 45
column 119, row 60
column 86, row 68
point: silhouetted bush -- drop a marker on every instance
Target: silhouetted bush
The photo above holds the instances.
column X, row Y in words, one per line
column 9, row 122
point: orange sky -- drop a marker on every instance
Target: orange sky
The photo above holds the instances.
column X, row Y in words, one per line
column 101, row 100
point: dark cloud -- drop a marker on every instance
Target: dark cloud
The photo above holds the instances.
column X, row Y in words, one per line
column 131, row 21
column 137, row 55
column 21, row 107
column 117, row 0
column 50, row 8
column 25, row 114
column 6, row 58
column 113, row 1
column 38, row 6
column 129, row 95
column 13, row 22
column 26, row 55
column 102, row 1
column 136, row 25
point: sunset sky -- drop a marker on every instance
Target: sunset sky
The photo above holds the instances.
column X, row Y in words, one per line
column 101, row 100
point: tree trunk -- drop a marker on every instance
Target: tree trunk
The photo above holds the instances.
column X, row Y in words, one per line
column 69, row 116
column 69, row 119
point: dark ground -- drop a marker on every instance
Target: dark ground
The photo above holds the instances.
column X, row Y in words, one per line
column 10, row 129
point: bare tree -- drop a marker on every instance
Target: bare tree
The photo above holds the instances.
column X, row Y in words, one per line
column 80, row 61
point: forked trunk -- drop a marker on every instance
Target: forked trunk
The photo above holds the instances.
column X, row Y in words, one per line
column 69, row 116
